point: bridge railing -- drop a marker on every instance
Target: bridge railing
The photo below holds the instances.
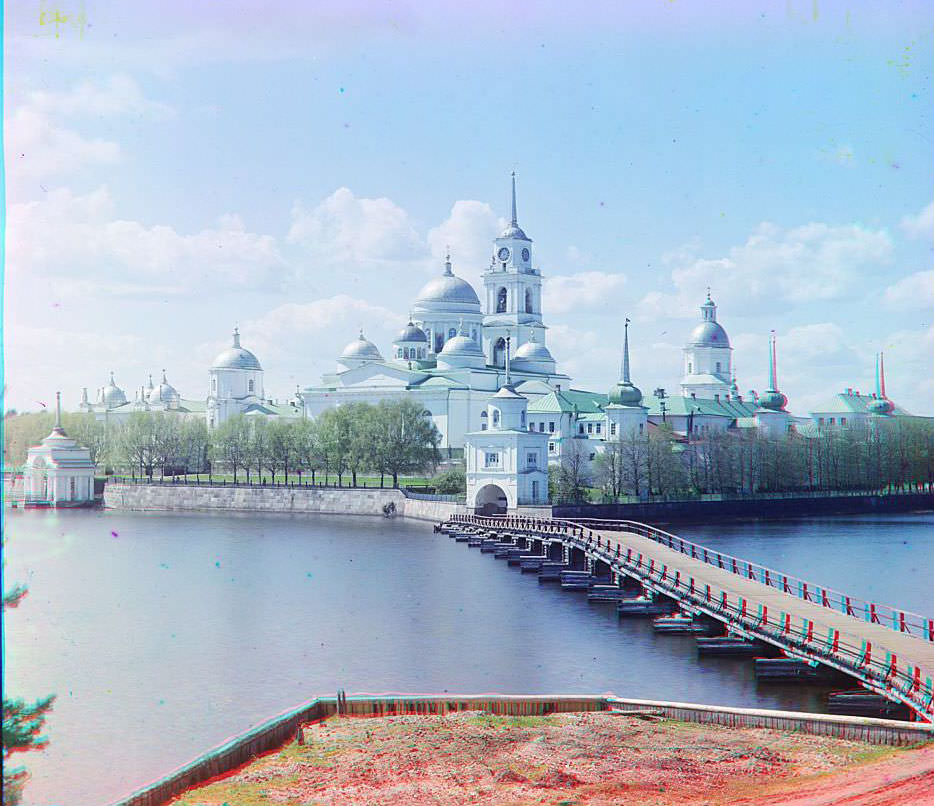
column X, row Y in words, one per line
column 879, row 668
column 899, row 620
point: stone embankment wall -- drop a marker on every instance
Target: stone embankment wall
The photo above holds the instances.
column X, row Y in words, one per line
column 320, row 500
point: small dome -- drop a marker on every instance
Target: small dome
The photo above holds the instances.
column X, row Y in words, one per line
column 164, row 393
column 362, row 349
column 516, row 232
column 447, row 289
column 236, row 357
column 461, row 344
column 625, row 394
column 113, row 395
column 772, row 400
column 709, row 334
column 881, row 406
column 411, row 333
column 533, row 351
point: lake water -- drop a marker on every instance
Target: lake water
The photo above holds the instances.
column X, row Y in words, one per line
column 164, row 634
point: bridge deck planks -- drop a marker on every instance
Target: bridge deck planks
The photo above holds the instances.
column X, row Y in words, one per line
column 909, row 649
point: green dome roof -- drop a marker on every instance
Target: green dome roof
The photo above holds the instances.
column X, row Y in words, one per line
column 770, row 399
column 881, row 406
column 625, row 394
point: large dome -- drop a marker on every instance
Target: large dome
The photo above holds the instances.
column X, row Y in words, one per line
column 625, row 394
column 448, row 289
column 534, row 351
column 236, row 357
column 709, row 334
column 772, row 400
column 361, row 349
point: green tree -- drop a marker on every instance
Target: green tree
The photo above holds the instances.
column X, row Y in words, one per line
column 230, row 444
column 408, row 439
column 22, row 724
column 451, row 482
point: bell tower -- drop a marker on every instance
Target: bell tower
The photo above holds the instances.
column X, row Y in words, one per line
column 513, row 289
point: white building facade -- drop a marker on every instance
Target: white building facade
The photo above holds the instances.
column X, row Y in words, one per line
column 507, row 463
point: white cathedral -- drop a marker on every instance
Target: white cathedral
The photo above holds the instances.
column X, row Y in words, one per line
column 452, row 359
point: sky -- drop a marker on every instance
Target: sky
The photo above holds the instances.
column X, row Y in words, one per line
column 298, row 170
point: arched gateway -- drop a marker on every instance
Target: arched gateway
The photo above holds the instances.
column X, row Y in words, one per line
column 491, row 500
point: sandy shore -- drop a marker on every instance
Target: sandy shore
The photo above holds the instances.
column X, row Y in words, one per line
column 595, row 759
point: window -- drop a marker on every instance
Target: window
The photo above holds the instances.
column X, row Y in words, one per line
column 483, row 426
column 598, row 428
column 499, row 352
column 473, row 334
column 831, row 421
column 718, row 366
column 495, row 416
column 641, row 427
column 532, row 460
column 820, row 420
column 251, row 386
column 612, row 429
column 439, row 341
column 452, row 333
column 843, row 421
column 534, row 491
column 213, row 384
column 551, row 427
column 501, row 301
column 398, row 352
column 492, row 460
column 71, row 487
column 589, row 428
column 580, row 429
column 551, row 447
column 522, row 419
column 690, row 368
column 528, row 301
column 541, row 427
column 593, row 456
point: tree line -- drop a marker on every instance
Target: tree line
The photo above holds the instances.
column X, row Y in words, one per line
column 896, row 453
column 389, row 439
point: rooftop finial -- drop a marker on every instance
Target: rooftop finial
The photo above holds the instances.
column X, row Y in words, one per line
column 626, row 352
column 361, row 336
column 447, row 261
column 508, row 339
column 163, row 377
column 236, row 337
column 515, row 218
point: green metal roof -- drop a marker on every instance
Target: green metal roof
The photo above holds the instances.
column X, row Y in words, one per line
column 568, row 401
column 679, row 406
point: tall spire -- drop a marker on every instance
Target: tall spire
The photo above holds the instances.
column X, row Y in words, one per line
column 58, row 411
column 515, row 218
column 880, row 376
column 773, row 364
column 626, row 378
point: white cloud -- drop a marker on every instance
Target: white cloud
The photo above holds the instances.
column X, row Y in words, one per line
column 80, row 240
column 41, row 146
column 914, row 292
column 469, row 231
column 811, row 262
column 920, row 225
column 304, row 339
column 116, row 96
column 584, row 291
column 344, row 229
column 36, row 148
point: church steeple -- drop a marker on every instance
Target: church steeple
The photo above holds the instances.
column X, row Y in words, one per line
column 625, row 393
column 772, row 398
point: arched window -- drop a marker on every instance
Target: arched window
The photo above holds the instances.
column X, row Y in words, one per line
column 398, row 352
column 439, row 341
column 473, row 334
column 501, row 301
column 405, row 353
column 213, row 384
column 499, row 352
column 522, row 419
column 250, row 387
column 528, row 301
column 452, row 333
column 495, row 416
